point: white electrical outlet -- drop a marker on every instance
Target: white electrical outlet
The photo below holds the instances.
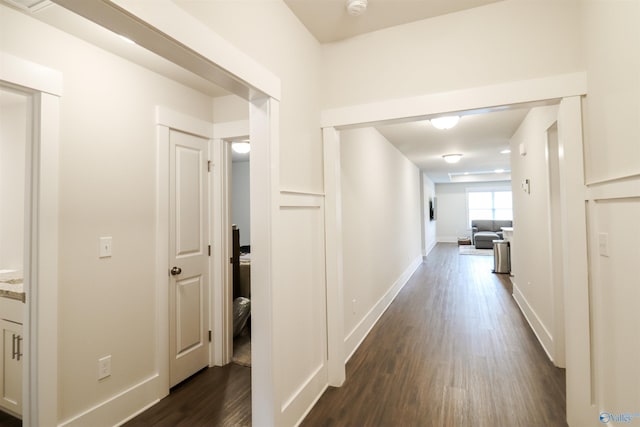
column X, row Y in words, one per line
column 105, row 245
column 353, row 306
column 104, row 367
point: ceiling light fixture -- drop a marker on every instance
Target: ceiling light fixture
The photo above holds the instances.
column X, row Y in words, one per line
column 452, row 158
column 242, row 147
column 499, row 170
column 445, row 122
column 506, row 151
column 356, row 7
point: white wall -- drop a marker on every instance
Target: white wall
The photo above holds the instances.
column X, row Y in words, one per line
column 240, row 200
column 612, row 131
column 381, row 225
column 230, row 108
column 452, row 207
column 270, row 33
column 107, row 188
column 13, row 140
column 531, row 254
column 429, row 227
column 504, row 41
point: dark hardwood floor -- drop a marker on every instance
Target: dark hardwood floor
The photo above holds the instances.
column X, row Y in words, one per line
column 451, row 350
column 213, row 397
column 7, row 420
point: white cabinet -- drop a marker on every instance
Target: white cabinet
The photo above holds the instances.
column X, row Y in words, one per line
column 11, row 356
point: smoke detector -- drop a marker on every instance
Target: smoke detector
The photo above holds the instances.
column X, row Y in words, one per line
column 356, row 7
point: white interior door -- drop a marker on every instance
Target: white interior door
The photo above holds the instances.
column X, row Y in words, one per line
column 188, row 256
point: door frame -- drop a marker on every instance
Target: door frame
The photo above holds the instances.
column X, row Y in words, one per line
column 200, row 50
column 40, row 369
column 167, row 120
column 222, row 291
column 569, row 89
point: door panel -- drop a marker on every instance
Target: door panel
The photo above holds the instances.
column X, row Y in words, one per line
column 188, row 222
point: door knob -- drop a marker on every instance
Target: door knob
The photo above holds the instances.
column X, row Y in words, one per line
column 175, row 271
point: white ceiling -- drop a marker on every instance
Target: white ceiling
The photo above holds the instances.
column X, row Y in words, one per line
column 478, row 137
column 329, row 21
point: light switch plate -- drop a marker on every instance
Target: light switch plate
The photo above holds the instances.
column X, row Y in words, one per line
column 603, row 244
column 105, row 247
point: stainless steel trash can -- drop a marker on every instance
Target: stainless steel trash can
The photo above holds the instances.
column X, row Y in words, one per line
column 501, row 257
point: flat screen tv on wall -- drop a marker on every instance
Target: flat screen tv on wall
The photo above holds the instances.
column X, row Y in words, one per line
column 432, row 209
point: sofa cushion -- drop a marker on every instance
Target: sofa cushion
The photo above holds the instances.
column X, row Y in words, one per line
column 483, row 224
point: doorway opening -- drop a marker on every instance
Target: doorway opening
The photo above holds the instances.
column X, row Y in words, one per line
column 241, row 251
column 15, row 254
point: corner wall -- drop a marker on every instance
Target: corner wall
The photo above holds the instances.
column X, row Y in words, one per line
column 530, row 255
column 381, row 228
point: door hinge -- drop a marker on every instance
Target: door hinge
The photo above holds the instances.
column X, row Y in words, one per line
column 231, row 260
column 209, row 166
column 209, row 250
column 209, row 336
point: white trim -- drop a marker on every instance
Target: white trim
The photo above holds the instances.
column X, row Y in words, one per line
column 532, row 90
column 129, row 401
column 221, row 271
column 334, row 257
column 40, row 369
column 176, row 120
column 191, row 44
column 167, row 119
column 447, row 239
column 264, row 184
column 27, row 74
column 537, row 326
column 580, row 410
column 362, row 329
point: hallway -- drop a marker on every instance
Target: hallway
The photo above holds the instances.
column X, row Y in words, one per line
column 451, row 350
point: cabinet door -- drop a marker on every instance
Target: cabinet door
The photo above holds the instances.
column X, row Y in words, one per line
column 11, row 369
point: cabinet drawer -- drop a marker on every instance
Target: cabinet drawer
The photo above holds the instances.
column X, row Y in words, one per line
column 12, row 310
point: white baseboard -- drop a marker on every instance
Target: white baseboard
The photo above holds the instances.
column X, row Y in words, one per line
column 362, row 329
column 430, row 247
column 305, row 397
column 447, row 239
column 541, row 332
column 119, row 408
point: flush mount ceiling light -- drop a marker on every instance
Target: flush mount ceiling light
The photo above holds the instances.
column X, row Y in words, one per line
column 356, row 7
column 506, row 151
column 452, row 158
column 241, row 147
column 445, row 122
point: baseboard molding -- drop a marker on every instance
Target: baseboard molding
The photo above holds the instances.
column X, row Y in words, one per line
column 296, row 408
column 362, row 329
column 448, row 239
column 119, row 408
column 430, row 248
column 541, row 332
